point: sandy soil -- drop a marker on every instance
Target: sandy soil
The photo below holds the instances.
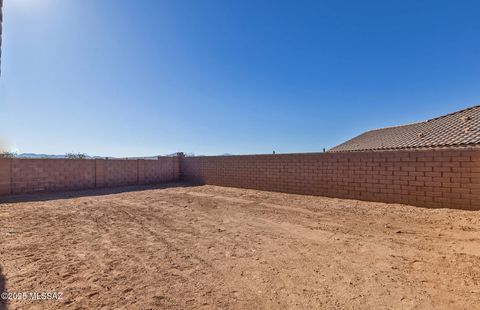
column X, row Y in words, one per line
column 214, row 247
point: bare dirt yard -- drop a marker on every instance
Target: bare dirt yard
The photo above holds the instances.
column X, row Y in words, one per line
column 207, row 247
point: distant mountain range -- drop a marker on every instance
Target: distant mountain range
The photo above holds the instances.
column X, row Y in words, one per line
column 35, row 155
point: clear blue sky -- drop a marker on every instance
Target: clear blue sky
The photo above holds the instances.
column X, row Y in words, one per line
column 132, row 78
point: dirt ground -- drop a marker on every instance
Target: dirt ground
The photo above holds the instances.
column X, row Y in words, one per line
column 207, row 247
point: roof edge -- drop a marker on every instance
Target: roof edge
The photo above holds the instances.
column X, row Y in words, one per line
column 411, row 148
column 428, row 120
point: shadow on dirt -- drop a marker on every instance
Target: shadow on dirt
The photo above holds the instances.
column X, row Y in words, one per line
column 3, row 288
column 44, row 196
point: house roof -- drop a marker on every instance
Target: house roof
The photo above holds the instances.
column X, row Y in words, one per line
column 457, row 129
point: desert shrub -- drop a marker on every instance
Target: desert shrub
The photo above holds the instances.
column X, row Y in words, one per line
column 8, row 154
column 76, row 156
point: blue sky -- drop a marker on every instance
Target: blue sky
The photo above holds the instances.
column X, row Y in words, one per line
column 138, row 78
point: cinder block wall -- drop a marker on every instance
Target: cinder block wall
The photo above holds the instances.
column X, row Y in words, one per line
column 5, row 176
column 441, row 178
column 20, row 176
column 165, row 169
column 35, row 175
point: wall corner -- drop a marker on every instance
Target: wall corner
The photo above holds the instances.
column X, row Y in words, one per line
column 179, row 165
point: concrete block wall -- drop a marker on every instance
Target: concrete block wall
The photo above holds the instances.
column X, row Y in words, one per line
column 120, row 172
column 437, row 178
column 35, row 175
column 165, row 169
column 20, row 176
column 5, row 176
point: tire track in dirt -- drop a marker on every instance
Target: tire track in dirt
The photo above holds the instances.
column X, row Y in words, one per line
column 213, row 247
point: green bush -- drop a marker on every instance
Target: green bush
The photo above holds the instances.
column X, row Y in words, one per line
column 76, row 156
column 8, row 154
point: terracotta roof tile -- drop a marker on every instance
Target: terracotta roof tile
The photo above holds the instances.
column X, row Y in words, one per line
column 461, row 128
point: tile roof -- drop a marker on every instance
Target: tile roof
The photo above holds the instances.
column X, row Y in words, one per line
column 461, row 128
